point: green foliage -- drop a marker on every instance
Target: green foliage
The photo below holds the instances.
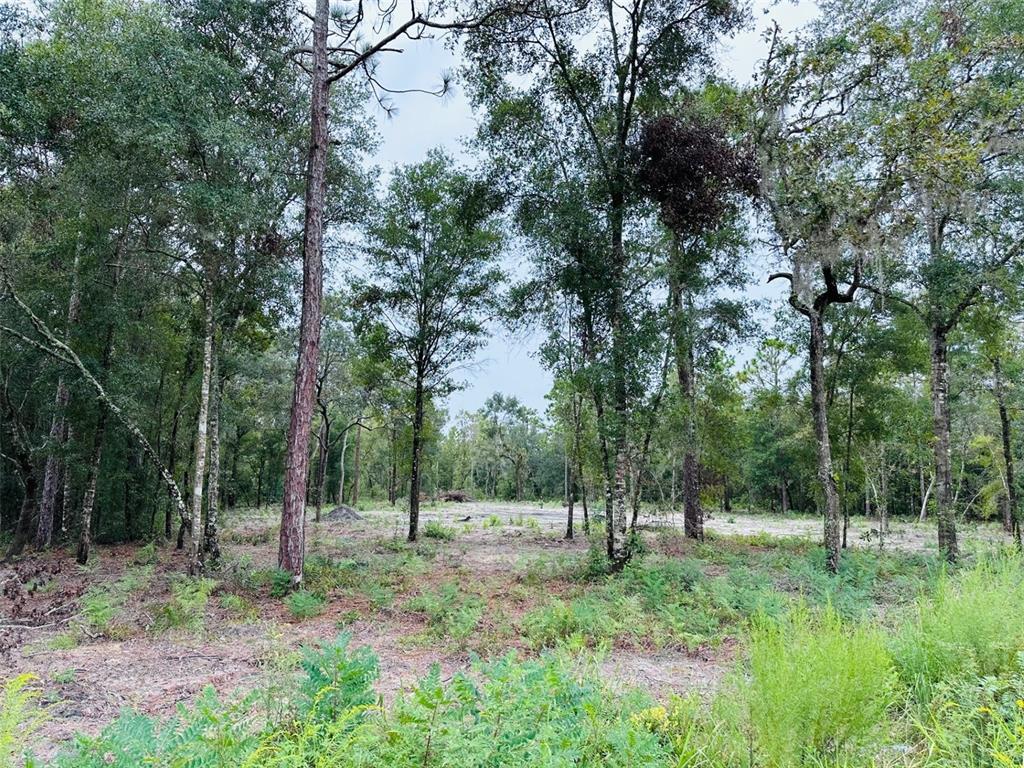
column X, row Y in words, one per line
column 818, row 689
column 186, row 608
column 102, row 604
column 304, row 605
column 976, row 723
column 239, row 607
column 973, row 624
column 437, row 530
column 336, row 679
column 450, row 612
column 20, row 718
column 146, row 555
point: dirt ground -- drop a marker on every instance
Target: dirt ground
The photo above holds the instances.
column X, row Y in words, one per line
column 87, row 685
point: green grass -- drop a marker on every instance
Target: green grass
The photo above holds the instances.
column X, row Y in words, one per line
column 450, row 613
column 438, row 531
column 304, row 605
column 186, row 609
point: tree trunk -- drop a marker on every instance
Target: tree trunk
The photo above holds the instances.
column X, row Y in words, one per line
column 356, row 465
column 291, row 551
column 944, row 512
column 1012, row 520
column 393, row 479
column 414, row 478
column 211, row 543
column 826, row 477
column 58, row 427
column 195, row 561
column 341, row 466
column 89, row 499
column 172, row 448
column 846, row 468
column 570, row 498
column 321, row 466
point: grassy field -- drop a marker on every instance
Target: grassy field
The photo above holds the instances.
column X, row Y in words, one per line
column 494, row 641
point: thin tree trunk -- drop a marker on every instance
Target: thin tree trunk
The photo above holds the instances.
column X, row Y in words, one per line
column 341, row 466
column 826, row 477
column 291, row 552
column 570, row 498
column 944, row 512
column 846, row 468
column 211, row 543
column 320, row 471
column 583, row 497
column 356, row 465
column 172, row 448
column 55, row 461
column 414, row 478
column 195, row 562
column 693, row 515
column 1012, row 522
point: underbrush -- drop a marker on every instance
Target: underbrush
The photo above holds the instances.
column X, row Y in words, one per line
column 936, row 684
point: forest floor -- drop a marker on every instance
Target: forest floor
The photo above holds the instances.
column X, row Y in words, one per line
column 128, row 632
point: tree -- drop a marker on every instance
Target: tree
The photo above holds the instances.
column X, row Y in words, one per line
column 826, row 213
column 698, row 177
column 568, row 86
column 432, row 283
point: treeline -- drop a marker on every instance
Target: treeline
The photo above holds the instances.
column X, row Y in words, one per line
column 175, row 174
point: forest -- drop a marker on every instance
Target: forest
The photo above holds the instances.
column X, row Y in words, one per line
column 768, row 513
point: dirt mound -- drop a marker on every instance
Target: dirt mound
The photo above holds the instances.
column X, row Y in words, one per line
column 344, row 514
column 457, row 496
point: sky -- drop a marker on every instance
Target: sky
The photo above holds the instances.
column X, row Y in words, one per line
column 422, row 122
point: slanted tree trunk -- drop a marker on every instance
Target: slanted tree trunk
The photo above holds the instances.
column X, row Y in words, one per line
column 195, row 560
column 944, row 512
column 1012, row 521
column 55, row 461
column 417, row 450
column 826, row 476
column 292, row 546
column 211, row 543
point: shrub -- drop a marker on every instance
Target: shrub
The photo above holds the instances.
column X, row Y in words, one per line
column 336, row 679
column 493, row 521
column 583, row 621
column 973, row 624
column 436, row 530
column 818, row 689
column 146, row 555
column 976, row 723
column 187, row 607
column 239, row 607
column 304, row 605
column 450, row 613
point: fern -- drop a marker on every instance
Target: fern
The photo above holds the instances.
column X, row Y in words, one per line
column 20, row 718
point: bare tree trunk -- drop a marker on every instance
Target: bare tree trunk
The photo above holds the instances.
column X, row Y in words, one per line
column 1012, row 522
column 846, row 468
column 195, row 562
column 55, row 462
column 417, row 449
column 826, row 477
column 321, row 465
column 356, row 464
column 393, row 479
column 172, row 458
column 341, row 466
column 570, row 498
column 211, row 543
column 291, row 552
column 583, row 497
column 944, row 512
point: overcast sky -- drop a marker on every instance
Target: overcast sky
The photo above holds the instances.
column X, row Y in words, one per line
column 423, row 122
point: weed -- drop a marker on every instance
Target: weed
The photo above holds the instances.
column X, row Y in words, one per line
column 450, row 613
column 187, row 607
column 436, row 530
column 239, row 607
column 146, row 555
column 493, row 521
column 304, row 605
